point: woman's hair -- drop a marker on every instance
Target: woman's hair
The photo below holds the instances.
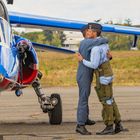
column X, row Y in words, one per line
column 98, row 32
column 84, row 32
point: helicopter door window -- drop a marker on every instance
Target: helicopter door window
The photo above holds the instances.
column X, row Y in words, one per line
column 5, row 32
column 1, row 35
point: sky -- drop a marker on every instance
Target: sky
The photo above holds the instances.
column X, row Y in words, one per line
column 81, row 10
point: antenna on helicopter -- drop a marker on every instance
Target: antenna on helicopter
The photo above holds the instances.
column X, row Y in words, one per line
column 10, row 1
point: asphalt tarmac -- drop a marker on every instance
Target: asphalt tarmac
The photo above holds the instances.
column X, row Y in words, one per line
column 22, row 119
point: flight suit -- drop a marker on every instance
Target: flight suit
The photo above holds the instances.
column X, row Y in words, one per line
column 110, row 112
column 84, row 78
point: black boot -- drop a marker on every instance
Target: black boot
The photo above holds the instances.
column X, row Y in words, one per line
column 90, row 122
column 119, row 128
column 82, row 130
column 107, row 131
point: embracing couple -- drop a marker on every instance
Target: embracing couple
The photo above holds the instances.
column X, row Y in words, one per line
column 94, row 57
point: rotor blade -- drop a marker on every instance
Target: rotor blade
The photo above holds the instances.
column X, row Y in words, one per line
column 52, row 48
column 44, row 22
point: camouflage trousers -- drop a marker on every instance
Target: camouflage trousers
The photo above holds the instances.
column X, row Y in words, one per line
column 110, row 112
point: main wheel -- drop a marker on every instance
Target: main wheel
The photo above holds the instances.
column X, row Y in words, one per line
column 55, row 115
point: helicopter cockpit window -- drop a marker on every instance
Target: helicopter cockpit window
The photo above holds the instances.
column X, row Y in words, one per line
column 2, row 12
column 5, row 32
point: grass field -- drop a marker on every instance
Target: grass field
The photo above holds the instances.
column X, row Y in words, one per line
column 60, row 69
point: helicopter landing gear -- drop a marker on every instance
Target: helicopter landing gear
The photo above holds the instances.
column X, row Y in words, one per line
column 49, row 104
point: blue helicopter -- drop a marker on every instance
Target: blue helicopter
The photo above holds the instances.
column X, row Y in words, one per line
column 19, row 67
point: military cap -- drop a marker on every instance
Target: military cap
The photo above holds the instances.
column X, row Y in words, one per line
column 84, row 28
column 94, row 26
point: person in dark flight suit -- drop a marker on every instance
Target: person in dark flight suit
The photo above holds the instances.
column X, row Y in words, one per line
column 84, row 80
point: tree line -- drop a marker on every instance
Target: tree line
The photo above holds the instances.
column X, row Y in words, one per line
column 57, row 38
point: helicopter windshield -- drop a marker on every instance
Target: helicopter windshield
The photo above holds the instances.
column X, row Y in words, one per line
column 5, row 32
column 2, row 12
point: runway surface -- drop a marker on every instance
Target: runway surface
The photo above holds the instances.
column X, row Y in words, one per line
column 22, row 119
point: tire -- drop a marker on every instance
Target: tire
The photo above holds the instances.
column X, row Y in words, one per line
column 55, row 115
